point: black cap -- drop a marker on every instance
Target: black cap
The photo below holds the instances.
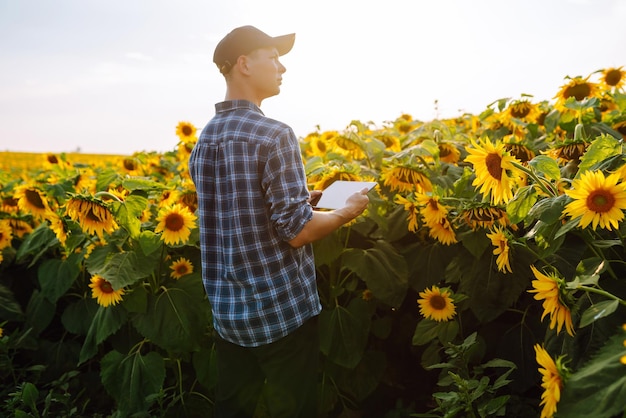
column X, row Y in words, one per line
column 245, row 39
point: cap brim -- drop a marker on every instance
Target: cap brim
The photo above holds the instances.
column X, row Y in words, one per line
column 284, row 43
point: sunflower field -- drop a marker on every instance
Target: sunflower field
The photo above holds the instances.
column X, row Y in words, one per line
column 486, row 278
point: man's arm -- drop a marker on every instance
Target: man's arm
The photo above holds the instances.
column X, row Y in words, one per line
column 323, row 223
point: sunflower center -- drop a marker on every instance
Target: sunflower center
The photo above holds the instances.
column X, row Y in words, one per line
column 520, row 110
column 579, row 91
column 106, row 287
column 182, row 269
column 52, row 159
column 34, row 199
column 600, row 201
column 493, row 163
column 437, row 302
column 91, row 215
column 444, row 150
column 186, row 130
column 613, row 77
column 130, row 164
column 174, row 222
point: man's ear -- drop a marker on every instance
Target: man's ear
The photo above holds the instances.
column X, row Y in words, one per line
column 242, row 64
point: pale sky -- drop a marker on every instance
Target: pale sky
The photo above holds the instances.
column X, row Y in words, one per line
column 116, row 76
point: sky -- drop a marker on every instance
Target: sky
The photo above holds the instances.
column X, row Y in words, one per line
column 117, row 76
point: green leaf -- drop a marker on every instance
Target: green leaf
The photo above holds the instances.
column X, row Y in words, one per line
column 383, row 270
column 77, row 317
column 177, row 317
column 344, row 332
column 426, row 331
column 39, row 312
column 124, row 269
column 327, row 250
column 149, row 242
column 106, row 177
column 56, row 276
column 106, row 322
column 602, row 147
column 568, row 226
column 447, row 331
column 598, row 389
column 10, row 309
column 30, row 394
column 131, row 379
column 546, row 166
column 476, row 242
column 128, row 212
column 36, row 244
column 204, row 364
column 518, row 208
column 142, row 183
column 549, row 210
column 597, row 311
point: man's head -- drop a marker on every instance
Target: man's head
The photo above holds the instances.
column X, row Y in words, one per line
column 243, row 41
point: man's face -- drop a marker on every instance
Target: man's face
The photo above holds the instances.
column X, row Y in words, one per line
column 266, row 71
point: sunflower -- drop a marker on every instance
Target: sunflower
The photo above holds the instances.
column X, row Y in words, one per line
column 406, row 179
column 186, row 131
column 92, row 215
column 404, row 123
column 348, row 146
column 519, row 151
column 443, row 232
column 31, row 200
column 484, row 216
column 623, row 358
column 569, row 150
column 321, row 145
column 9, row 205
column 597, row 200
column 579, row 88
column 519, row 110
column 334, row 174
column 448, row 153
column 59, row 226
column 436, row 304
column 20, row 227
column 432, row 211
column 103, row 292
column 621, row 128
column 176, row 223
column 180, row 268
column 495, row 173
column 6, row 234
column 392, row 142
column 613, row 78
column 412, row 208
column 130, row 165
column 500, row 240
column 553, row 375
column 551, row 289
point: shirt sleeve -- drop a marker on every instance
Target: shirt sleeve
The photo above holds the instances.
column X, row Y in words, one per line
column 284, row 182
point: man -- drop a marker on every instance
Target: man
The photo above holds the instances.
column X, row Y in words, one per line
column 256, row 230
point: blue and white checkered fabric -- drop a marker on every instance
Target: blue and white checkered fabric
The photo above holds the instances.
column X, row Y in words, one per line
column 252, row 199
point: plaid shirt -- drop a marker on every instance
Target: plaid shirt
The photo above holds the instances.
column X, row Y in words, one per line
column 252, row 199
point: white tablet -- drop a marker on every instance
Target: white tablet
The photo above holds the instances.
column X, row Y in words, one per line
column 335, row 195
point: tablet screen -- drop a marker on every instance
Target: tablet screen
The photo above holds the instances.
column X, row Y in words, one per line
column 335, row 195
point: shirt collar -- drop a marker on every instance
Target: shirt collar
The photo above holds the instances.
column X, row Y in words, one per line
column 230, row 105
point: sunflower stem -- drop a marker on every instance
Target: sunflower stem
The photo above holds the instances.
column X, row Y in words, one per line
column 109, row 195
column 601, row 292
column 541, row 182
